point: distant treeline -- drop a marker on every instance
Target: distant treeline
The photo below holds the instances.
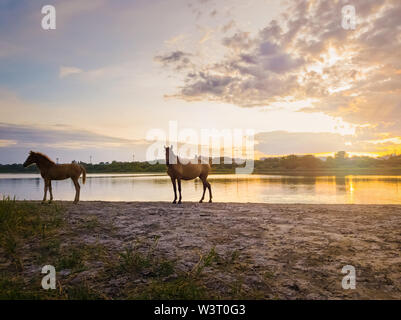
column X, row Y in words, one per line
column 340, row 161
column 102, row 167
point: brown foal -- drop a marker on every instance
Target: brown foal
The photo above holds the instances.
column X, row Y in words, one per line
column 49, row 171
column 179, row 171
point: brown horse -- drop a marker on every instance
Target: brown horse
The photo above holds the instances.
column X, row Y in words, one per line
column 179, row 171
column 52, row 171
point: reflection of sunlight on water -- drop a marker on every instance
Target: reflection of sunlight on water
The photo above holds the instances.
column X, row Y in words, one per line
column 351, row 190
column 226, row 188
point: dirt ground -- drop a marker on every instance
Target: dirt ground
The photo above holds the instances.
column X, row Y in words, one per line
column 281, row 251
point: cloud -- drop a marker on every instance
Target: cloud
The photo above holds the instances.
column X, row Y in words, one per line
column 117, row 72
column 175, row 56
column 207, row 34
column 61, row 136
column 66, row 142
column 6, row 143
column 68, row 71
column 284, row 143
column 178, row 59
column 240, row 40
column 207, row 85
column 228, row 26
column 306, row 54
column 257, row 71
column 175, row 40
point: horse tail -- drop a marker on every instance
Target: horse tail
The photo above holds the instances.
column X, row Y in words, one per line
column 83, row 174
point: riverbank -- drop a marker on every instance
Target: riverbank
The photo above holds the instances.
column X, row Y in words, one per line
column 151, row 250
column 287, row 172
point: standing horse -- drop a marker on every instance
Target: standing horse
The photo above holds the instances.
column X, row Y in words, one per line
column 178, row 171
column 52, row 171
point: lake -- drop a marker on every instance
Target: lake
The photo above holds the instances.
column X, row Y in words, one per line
column 226, row 188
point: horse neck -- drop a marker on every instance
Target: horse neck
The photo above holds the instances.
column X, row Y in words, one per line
column 173, row 156
column 44, row 164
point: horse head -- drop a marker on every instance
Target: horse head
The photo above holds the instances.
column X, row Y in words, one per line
column 32, row 158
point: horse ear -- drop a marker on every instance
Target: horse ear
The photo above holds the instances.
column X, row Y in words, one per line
column 31, row 152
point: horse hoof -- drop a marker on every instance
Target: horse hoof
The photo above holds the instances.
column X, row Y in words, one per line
column 200, row 201
column 43, row 202
column 174, row 202
column 179, row 202
column 210, row 201
column 50, row 201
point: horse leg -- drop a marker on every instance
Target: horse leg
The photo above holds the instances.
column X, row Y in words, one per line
column 77, row 189
column 50, row 191
column 45, row 195
column 204, row 190
column 210, row 191
column 175, row 190
column 179, row 190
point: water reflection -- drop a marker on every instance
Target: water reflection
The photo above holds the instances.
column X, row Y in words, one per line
column 226, row 188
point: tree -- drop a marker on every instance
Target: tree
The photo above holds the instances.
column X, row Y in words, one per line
column 341, row 155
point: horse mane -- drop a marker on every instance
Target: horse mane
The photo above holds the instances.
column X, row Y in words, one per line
column 44, row 157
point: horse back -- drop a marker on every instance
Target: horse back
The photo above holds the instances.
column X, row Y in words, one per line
column 188, row 171
column 65, row 171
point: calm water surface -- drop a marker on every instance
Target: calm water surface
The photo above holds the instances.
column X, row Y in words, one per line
column 226, row 188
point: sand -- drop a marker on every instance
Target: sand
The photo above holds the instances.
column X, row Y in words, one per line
column 287, row 251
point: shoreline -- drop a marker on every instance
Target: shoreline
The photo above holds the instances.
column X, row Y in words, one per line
column 284, row 172
column 205, row 203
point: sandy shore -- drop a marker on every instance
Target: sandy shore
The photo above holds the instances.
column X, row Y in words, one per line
column 284, row 251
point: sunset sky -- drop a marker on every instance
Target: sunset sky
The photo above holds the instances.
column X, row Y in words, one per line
column 113, row 70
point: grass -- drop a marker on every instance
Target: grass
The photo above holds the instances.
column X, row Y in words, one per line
column 182, row 288
column 14, row 289
column 181, row 285
column 167, row 281
column 33, row 235
column 30, row 224
column 133, row 260
column 82, row 291
column 92, row 223
column 20, row 221
column 72, row 259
